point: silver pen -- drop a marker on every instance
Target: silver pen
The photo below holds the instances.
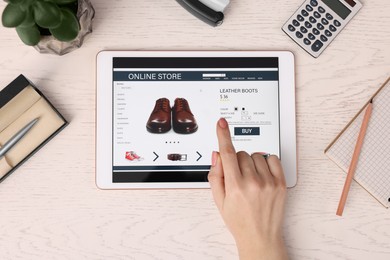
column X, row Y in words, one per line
column 16, row 138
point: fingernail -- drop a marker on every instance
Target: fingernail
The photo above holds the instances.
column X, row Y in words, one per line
column 265, row 155
column 222, row 123
column 214, row 157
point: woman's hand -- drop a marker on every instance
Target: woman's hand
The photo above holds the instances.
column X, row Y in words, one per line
column 250, row 192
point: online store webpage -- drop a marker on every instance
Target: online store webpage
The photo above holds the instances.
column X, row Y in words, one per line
column 164, row 119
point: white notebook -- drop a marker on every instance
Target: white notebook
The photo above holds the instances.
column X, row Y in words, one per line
column 373, row 168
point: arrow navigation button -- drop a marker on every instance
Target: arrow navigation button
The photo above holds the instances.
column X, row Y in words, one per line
column 156, row 156
column 200, row 156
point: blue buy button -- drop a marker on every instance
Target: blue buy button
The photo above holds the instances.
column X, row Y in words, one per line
column 247, row 131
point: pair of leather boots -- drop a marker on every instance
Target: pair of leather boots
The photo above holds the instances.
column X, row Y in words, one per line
column 163, row 117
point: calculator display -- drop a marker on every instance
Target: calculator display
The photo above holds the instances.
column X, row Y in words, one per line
column 338, row 8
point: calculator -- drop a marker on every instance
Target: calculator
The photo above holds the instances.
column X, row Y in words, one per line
column 317, row 22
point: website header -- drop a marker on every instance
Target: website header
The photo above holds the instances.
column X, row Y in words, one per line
column 195, row 75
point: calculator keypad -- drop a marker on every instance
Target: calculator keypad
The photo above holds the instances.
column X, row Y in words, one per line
column 317, row 45
column 324, row 21
column 299, row 35
column 313, row 26
column 328, row 33
column 320, row 26
column 300, row 18
column 309, row 8
column 306, row 41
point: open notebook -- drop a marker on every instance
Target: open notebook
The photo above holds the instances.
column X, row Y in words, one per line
column 373, row 168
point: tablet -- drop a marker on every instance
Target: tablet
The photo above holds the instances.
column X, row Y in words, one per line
column 157, row 114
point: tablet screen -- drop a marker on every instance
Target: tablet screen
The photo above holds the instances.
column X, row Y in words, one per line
column 165, row 112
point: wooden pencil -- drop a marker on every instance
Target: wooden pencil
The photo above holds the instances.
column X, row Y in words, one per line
column 355, row 159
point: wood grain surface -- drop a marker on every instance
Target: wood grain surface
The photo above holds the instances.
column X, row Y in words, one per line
column 50, row 208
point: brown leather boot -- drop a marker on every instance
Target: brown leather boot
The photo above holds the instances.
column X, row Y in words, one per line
column 160, row 118
column 183, row 120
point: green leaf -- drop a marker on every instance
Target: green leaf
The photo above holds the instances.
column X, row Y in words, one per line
column 69, row 27
column 47, row 14
column 28, row 20
column 12, row 16
column 15, row 1
column 29, row 35
column 23, row 4
column 62, row 2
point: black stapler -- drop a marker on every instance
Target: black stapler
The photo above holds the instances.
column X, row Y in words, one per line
column 209, row 11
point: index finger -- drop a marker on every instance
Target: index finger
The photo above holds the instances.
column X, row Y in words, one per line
column 227, row 153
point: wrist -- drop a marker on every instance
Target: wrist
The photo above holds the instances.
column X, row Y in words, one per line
column 259, row 249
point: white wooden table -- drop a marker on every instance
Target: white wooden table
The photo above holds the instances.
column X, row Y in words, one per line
column 50, row 208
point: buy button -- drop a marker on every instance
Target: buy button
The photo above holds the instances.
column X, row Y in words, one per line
column 247, row 131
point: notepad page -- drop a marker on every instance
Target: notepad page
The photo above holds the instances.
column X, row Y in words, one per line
column 373, row 168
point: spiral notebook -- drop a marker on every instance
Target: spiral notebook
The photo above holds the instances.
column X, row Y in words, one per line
column 373, row 168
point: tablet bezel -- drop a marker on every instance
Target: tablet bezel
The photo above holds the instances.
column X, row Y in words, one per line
column 104, row 68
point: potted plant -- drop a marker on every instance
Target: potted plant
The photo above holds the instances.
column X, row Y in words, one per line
column 56, row 26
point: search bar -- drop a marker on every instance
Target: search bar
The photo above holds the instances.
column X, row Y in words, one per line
column 215, row 75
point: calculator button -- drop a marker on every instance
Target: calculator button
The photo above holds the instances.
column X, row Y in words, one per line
column 320, row 26
column 316, row 32
column 329, row 16
column 308, row 25
column 311, row 36
column 295, row 23
column 328, row 33
column 304, row 13
column 317, row 14
column 323, row 38
column 306, row 41
column 291, row 28
column 337, row 23
column 332, row 28
column 300, row 18
column 313, row 2
column 321, row 10
column 312, row 19
column 299, row 35
column 303, row 29
column 324, row 21
column 317, row 45
column 309, row 8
